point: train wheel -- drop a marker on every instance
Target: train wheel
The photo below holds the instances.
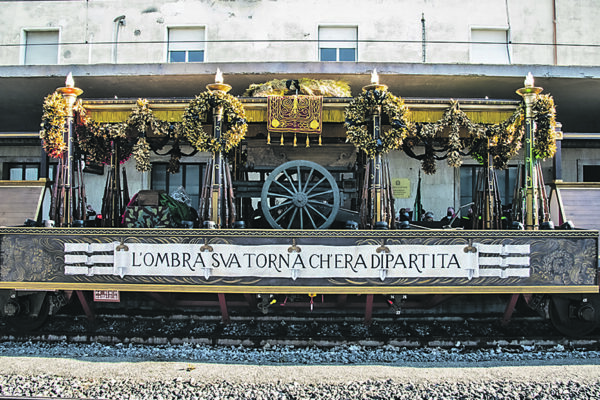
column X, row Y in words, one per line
column 300, row 195
column 575, row 316
column 24, row 321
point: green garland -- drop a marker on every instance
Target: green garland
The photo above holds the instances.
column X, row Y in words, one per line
column 234, row 119
column 96, row 141
column 141, row 123
column 505, row 140
column 501, row 141
column 141, row 154
column 360, row 109
column 53, row 126
column 544, row 114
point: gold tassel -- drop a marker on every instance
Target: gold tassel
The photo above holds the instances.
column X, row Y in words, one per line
column 307, row 141
column 320, row 144
column 295, row 140
column 295, row 106
column 268, row 137
column 281, row 140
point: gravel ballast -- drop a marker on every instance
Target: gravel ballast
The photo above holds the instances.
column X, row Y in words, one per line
column 347, row 372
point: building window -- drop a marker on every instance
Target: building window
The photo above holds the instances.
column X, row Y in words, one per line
column 468, row 183
column 25, row 171
column 591, row 173
column 588, row 170
column 189, row 176
column 338, row 43
column 186, row 45
column 41, row 47
column 489, row 46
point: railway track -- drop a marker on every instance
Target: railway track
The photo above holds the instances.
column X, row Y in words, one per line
column 325, row 332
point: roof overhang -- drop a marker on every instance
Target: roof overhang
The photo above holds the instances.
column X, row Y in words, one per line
column 575, row 89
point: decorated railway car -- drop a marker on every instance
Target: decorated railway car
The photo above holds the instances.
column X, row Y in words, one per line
column 296, row 210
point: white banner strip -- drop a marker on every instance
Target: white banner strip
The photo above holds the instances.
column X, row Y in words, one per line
column 89, row 260
column 88, row 247
column 504, row 261
column 503, row 249
column 290, row 261
column 505, row 273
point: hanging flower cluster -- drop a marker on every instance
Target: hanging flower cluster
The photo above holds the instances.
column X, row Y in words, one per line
column 141, row 123
column 544, row 115
column 142, row 119
column 96, row 141
column 53, row 126
column 501, row 141
column 234, row 121
column 359, row 111
column 141, row 154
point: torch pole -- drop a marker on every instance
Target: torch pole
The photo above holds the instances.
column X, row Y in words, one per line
column 70, row 93
column 529, row 94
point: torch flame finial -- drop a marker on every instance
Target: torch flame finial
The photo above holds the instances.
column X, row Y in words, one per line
column 219, row 76
column 69, row 82
column 374, row 77
column 529, row 80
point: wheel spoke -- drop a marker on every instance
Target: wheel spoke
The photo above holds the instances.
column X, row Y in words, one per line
column 315, row 185
column 320, row 193
column 284, row 213
column 317, row 211
column 284, row 204
column 277, row 195
column 284, row 188
column 292, row 218
column 319, row 204
column 312, row 221
column 308, row 180
column 291, row 181
column 301, row 218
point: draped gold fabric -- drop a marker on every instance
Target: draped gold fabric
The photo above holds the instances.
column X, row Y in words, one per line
column 295, row 114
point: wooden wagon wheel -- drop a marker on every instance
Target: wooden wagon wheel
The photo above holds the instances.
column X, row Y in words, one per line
column 300, row 195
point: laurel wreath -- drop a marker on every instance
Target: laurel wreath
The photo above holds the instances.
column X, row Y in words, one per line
column 234, row 119
column 360, row 110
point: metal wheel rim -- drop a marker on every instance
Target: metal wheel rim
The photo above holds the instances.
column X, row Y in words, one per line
column 568, row 326
column 300, row 195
